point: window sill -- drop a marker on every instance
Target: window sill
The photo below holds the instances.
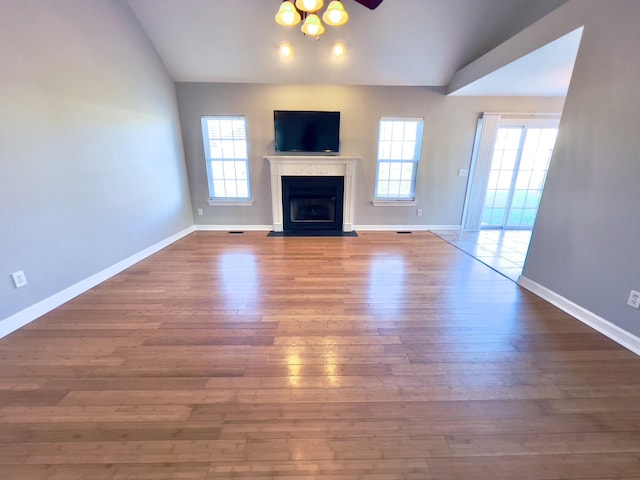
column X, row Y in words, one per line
column 394, row 203
column 230, row 203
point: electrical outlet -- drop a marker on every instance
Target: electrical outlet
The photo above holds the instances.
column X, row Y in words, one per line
column 419, row 212
column 19, row 279
column 200, row 212
column 634, row 299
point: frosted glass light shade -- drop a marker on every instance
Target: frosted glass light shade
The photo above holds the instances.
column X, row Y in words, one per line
column 288, row 16
column 309, row 5
column 335, row 15
column 313, row 26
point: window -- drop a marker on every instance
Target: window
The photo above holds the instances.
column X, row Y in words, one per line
column 225, row 150
column 399, row 142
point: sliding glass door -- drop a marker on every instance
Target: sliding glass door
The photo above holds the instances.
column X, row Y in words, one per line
column 518, row 171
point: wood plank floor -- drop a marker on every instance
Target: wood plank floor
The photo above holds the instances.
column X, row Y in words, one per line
column 381, row 357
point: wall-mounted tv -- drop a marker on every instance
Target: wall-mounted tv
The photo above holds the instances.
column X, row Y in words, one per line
column 306, row 131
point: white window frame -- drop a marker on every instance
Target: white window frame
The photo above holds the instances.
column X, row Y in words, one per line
column 408, row 199
column 215, row 198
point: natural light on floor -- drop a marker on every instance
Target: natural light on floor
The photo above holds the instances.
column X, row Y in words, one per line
column 502, row 250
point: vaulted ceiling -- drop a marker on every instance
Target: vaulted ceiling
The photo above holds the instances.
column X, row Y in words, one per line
column 402, row 42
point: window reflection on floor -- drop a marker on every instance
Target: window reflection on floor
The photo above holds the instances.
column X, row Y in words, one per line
column 386, row 283
column 502, row 250
column 238, row 273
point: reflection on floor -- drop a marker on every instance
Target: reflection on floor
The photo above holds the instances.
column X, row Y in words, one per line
column 502, row 250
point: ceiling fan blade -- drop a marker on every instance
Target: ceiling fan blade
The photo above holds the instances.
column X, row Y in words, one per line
column 372, row 4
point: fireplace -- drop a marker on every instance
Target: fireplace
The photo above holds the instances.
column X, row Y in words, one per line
column 309, row 212
column 312, row 203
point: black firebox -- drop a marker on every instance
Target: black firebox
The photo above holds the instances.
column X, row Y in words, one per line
column 312, row 203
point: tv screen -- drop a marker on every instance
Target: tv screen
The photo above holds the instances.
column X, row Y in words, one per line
column 305, row 131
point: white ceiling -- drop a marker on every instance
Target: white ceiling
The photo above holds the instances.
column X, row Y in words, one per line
column 402, row 42
column 543, row 72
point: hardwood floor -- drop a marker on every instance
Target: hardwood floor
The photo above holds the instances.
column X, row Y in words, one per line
column 380, row 357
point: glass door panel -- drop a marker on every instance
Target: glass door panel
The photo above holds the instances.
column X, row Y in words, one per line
column 503, row 165
column 518, row 171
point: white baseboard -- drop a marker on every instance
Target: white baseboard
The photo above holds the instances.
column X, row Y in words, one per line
column 404, row 228
column 596, row 322
column 29, row 314
column 233, row 228
column 452, row 228
column 379, row 228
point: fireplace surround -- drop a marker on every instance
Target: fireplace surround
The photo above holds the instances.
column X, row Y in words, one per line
column 313, row 167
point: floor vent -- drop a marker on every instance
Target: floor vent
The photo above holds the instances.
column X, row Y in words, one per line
column 404, row 233
column 233, row 232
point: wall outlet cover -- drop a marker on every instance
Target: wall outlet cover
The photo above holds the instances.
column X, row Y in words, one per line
column 19, row 278
column 634, row 299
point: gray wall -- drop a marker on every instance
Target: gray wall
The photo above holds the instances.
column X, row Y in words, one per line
column 450, row 124
column 586, row 242
column 91, row 162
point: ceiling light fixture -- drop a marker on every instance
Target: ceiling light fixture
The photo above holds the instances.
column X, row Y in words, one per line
column 306, row 11
column 286, row 50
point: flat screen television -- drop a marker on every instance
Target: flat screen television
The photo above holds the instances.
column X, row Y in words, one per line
column 306, row 131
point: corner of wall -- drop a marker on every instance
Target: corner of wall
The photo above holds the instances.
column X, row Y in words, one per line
column 608, row 329
column 33, row 312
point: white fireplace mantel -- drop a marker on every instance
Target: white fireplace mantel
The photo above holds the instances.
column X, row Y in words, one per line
column 306, row 166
